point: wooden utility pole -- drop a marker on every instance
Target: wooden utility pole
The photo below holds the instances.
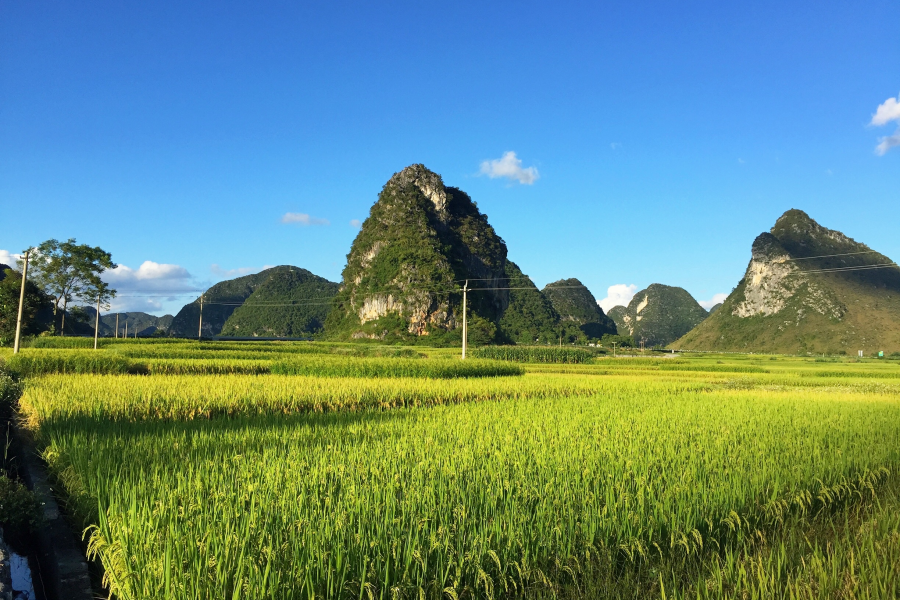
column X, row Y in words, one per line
column 97, row 322
column 21, row 303
column 200, row 328
column 465, row 341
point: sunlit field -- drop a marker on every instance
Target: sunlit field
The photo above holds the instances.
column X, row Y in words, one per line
column 312, row 471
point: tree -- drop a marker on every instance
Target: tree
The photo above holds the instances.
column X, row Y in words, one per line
column 35, row 300
column 65, row 271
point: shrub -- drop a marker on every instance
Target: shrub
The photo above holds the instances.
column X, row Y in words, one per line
column 19, row 508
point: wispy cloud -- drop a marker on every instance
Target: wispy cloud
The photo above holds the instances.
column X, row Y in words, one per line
column 615, row 145
column 887, row 142
column 302, row 219
column 887, row 111
column 355, row 223
column 619, row 294
column 510, row 167
column 716, row 299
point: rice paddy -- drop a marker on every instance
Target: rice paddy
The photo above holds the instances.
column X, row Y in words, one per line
column 354, row 477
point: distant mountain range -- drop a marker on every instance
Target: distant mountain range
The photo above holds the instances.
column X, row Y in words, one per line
column 807, row 289
column 658, row 315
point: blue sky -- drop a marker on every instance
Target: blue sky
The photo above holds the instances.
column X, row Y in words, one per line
column 661, row 137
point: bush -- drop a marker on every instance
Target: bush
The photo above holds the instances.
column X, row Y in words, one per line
column 19, row 509
column 534, row 354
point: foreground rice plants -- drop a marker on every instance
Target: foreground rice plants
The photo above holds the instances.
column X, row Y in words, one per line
column 643, row 482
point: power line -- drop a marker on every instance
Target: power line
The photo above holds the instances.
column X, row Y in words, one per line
column 859, row 268
column 832, row 255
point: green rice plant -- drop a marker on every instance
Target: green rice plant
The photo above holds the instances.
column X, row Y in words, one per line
column 534, row 354
column 129, row 398
column 214, row 366
column 63, row 342
column 546, row 480
column 333, row 366
column 30, row 363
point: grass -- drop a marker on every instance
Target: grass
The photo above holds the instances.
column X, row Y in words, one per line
column 713, row 476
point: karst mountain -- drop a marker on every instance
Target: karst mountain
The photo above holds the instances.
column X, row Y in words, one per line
column 807, row 289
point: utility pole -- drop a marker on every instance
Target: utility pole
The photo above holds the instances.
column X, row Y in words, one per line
column 21, row 303
column 117, row 325
column 200, row 328
column 465, row 336
column 126, row 327
column 614, row 349
column 97, row 322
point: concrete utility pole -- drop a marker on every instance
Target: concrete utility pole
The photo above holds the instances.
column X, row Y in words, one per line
column 465, row 341
column 614, row 349
column 117, row 325
column 126, row 328
column 200, row 328
column 97, row 323
column 21, row 303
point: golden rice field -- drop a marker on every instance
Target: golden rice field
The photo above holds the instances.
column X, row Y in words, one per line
column 696, row 477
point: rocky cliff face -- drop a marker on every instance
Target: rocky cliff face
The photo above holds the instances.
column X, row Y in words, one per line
column 409, row 260
column 659, row 315
column 807, row 288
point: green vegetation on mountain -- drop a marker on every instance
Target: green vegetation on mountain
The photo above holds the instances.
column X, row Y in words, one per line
column 140, row 323
column 219, row 302
column 617, row 314
column 290, row 302
column 407, row 264
column 715, row 308
column 576, row 304
column 530, row 317
column 807, row 289
column 659, row 315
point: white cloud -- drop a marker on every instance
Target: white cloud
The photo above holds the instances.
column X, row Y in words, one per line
column 510, row 167
column 302, row 219
column 148, row 271
column 8, row 258
column 615, row 145
column 616, row 295
column 888, row 111
column 716, row 299
column 355, row 223
column 887, row 142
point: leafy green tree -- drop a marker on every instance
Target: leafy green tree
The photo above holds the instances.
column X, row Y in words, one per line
column 35, row 300
column 65, row 271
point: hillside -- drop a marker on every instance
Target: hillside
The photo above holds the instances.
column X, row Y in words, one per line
column 658, row 315
column 219, row 302
column 409, row 260
column 530, row 317
column 576, row 304
column 290, row 302
column 807, row 289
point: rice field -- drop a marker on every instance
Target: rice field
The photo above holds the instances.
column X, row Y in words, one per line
column 688, row 477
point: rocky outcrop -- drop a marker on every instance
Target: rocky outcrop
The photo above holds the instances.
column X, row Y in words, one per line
column 421, row 241
column 806, row 289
